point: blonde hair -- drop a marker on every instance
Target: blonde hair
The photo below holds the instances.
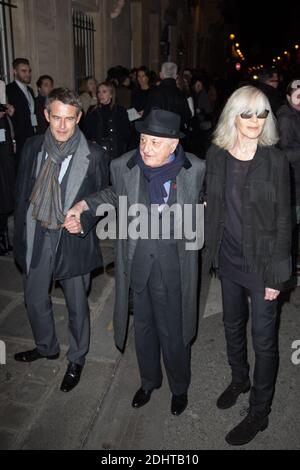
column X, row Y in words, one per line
column 112, row 90
column 246, row 99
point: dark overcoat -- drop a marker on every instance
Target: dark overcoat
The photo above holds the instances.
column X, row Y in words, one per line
column 126, row 181
column 75, row 255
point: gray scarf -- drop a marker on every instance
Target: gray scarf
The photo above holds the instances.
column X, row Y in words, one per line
column 46, row 194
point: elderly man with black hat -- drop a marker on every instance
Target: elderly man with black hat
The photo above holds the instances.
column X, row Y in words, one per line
column 161, row 270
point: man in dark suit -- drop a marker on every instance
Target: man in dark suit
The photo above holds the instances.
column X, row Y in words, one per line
column 159, row 266
column 21, row 96
column 44, row 86
column 56, row 170
column 168, row 96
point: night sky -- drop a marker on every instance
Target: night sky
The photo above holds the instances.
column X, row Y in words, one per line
column 264, row 29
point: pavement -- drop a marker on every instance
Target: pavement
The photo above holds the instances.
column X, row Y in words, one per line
column 97, row 414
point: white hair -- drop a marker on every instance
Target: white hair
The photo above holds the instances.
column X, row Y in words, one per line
column 169, row 70
column 247, row 99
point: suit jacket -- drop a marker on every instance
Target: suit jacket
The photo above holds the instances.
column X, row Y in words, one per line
column 126, row 180
column 75, row 255
column 21, row 119
column 169, row 97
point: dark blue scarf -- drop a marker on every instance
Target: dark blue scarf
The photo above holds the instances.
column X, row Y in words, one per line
column 156, row 177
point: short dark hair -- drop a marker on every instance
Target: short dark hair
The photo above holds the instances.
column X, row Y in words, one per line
column 66, row 96
column 39, row 83
column 19, row 61
column 266, row 74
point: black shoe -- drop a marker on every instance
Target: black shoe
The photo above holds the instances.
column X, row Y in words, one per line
column 33, row 355
column 246, row 431
column 179, row 404
column 229, row 397
column 72, row 377
column 141, row 397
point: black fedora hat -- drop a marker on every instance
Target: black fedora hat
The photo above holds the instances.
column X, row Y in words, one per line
column 160, row 123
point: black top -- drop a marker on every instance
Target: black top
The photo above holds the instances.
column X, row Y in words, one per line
column 231, row 252
column 139, row 99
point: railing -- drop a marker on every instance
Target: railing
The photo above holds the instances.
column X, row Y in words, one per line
column 84, row 58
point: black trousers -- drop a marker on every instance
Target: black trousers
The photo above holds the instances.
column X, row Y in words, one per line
column 264, row 338
column 158, row 328
column 39, row 307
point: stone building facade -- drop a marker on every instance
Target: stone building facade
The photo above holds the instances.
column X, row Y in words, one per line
column 126, row 32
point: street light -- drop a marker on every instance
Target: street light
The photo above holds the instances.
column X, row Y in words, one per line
column 232, row 36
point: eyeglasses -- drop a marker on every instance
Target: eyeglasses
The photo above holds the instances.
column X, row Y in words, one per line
column 262, row 115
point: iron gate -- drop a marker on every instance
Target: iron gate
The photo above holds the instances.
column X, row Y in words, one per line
column 84, row 58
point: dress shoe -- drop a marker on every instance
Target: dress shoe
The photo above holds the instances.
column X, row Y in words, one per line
column 72, row 377
column 141, row 397
column 179, row 404
column 229, row 397
column 246, row 431
column 33, row 355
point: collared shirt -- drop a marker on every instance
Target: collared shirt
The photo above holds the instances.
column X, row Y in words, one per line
column 27, row 94
column 63, row 168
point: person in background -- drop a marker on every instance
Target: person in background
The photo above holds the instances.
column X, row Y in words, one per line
column 20, row 95
column 7, row 175
column 107, row 123
column 45, row 86
column 123, row 97
column 140, row 94
column 88, row 93
column 268, row 82
column 169, row 97
column 248, row 240
column 202, row 120
column 289, row 128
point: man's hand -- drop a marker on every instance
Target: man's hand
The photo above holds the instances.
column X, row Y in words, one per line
column 72, row 220
column 72, row 225
column 271, row 294
column 77, row 210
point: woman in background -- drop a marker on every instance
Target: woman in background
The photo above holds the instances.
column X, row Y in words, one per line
column 88, row 93
column 107, row 123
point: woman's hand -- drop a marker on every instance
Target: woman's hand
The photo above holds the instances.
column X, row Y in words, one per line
column 271, row 294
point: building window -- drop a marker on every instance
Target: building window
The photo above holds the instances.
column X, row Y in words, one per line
column 6, row 39
column 84, row 58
